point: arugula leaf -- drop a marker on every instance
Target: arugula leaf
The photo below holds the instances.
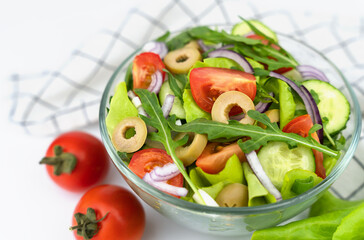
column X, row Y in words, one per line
column 205, row 33
column 179, row 41
column 164, row 37
column 173, row 84
column 258, row 136
column 152, row 108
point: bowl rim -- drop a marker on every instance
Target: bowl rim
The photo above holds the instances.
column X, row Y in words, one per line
column 336, row 172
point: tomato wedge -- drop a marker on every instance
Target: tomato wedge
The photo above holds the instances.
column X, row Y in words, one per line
column 209, row 83
column 215, row 155
column 144, row 66
column 301, row 125
column 145, row 160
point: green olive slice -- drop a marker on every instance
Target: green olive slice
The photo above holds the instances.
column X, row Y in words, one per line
column 226, row 101
column 233, row 195
column 195, row 145
column 181, row 60
column 192, row 44
column 273, row 116
column 134, row 143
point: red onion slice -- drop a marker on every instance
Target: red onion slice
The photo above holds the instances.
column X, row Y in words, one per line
column 203, row 46
column 165, row 187
column 261, row 175
column 159, row 48
column 167, row 105
column 164, row 173
column 208, row 200
column 233, row 56
column 310, row 72
column 264, row 106
column 156, row 83
column 316, row 113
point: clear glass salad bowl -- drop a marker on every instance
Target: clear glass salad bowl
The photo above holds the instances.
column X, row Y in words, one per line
column 242, row 220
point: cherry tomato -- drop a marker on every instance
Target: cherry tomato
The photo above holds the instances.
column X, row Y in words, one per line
column 302, row 125
column 209, row 83
column 145, row 160
column 215, row 155
column 92, row 160
column 125, row 217
column 144, row 66
column 276, row 47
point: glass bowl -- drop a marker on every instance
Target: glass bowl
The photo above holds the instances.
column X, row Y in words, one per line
column 242, row 220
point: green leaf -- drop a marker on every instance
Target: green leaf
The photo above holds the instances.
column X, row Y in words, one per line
column 128, row 78
column 329, row 203
column 152, row 108
column 351, row 226
column 258, row 136
column 315, row 228
column 175, row 87
column 258, row 194
column 179, row 41
column 120, row 108
column 193, row 111
column 297, row 181
column 164, row 37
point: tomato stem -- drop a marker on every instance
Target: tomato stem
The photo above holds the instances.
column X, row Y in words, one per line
column 87, row 226
column 63, row 162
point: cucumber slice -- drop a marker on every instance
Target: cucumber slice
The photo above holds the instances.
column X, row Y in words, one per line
column 177, row 107
column 243, row 28
column 333, row 104
column 277, row 159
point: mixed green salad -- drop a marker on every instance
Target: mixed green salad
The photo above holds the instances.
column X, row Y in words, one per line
column 226, row 119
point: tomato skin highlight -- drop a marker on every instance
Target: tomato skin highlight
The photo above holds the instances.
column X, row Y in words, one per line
column 92, row 160
column 145, row 160
column 209, row 83
column 144, row 66
column 214, row 157
column 302, row 125
column 126, row 218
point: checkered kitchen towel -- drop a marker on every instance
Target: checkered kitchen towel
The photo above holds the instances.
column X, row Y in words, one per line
column 67, row 98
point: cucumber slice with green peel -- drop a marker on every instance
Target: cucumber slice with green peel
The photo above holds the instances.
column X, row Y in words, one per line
column 332, row 105
column 277, row 159
column 177, row 107
column 243, row 28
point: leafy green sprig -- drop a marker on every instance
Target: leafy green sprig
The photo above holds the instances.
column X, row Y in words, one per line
column 258, row 136
column 152, row 108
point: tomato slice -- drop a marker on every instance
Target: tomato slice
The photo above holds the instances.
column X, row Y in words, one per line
column 145, row 160
column 215, row 155
column 144, row 66
column 302, row 125
column 209, row 83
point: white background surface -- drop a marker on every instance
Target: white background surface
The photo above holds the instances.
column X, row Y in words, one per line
column 39, row 35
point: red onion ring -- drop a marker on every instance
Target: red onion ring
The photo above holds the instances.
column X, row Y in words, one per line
column 310, row 72
column 159, row 48
column 233, row 56
column 164, row 173
column 165, row 187
column 156, row 83
column 263, row 106
column 316, row 118
column 203, row 46
column 167, row 105
column 261, row 175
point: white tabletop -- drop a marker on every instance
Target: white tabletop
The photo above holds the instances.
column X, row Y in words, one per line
column 36, row 36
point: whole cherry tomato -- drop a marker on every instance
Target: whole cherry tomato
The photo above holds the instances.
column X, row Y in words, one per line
column 108, row 212
column 76, row 160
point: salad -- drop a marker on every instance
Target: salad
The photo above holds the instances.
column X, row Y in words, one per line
column 226, row 119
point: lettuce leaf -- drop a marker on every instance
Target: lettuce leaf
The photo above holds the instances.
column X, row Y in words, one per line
column 192, row 110
column 120, row 107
